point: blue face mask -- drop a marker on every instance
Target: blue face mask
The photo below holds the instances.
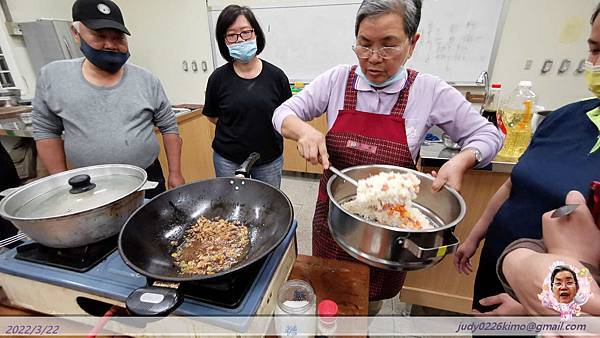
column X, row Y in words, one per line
column 243, row 51
column 400, row 75
column 108, row 61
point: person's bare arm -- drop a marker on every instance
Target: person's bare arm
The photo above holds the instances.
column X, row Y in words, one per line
column 480, row 229
column 173, row 143
column 52, row 153
column 467, row 249
column 572, row 239
column 576, row 235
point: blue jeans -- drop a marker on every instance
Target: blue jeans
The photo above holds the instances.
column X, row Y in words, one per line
column 268, row 172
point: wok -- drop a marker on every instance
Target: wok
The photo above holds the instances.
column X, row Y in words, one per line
column 145, row 242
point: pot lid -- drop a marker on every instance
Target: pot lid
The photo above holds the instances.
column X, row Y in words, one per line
column 73, row 191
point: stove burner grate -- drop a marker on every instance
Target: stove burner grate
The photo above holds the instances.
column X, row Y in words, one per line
column 79, row 259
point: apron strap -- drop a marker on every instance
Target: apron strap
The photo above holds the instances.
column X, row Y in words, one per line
column 350, row 93
column 400, row 105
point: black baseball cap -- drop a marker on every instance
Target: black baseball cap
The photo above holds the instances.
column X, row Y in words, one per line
column 99, row 14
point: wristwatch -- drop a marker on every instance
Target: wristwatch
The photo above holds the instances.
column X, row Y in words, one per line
column 477, row 153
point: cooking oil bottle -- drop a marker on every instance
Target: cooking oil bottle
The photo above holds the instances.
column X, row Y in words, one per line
column 516, row 113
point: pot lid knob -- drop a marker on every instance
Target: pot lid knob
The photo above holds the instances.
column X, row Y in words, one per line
column 80, row 183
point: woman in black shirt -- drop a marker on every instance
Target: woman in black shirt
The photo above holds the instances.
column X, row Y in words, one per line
column 8, row 179
column 241, row 97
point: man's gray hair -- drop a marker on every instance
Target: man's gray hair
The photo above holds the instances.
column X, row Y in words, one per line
column 409, row 9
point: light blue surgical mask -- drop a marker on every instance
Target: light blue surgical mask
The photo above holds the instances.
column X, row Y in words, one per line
column 399, row 76
column 243, row 51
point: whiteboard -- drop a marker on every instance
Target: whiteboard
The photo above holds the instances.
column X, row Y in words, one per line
column 458, row 37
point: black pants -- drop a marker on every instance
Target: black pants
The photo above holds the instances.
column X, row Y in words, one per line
column 487, row 282
column 155, row 174
column 8, row 179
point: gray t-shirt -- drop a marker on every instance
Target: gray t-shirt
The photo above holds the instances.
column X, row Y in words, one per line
column 102, row 124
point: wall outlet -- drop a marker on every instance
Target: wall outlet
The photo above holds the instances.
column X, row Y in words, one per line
column 564, row 66
column 547, row 66
column 580, row 67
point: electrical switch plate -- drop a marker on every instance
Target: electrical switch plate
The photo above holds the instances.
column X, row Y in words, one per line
column 547, row 66
column 528, row 64
column 564, row 66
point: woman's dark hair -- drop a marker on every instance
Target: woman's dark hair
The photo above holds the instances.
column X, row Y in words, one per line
column 595, row 15
column 227, row 18
column 561, row 268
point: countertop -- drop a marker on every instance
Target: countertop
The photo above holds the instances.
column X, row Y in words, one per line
column 344, row 282
column 16, row 127
column 434, row 154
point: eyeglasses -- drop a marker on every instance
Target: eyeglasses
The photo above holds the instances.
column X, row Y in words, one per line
column 566, row 283
column 384, row 52
column 245, row 35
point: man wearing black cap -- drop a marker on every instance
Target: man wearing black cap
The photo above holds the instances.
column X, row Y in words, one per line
column 107, row 108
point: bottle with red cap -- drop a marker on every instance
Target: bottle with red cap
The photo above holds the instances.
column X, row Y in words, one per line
column 490, row 106
column 327, row 311
column 516, row 112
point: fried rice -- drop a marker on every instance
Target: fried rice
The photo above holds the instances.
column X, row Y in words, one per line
column 387, row 198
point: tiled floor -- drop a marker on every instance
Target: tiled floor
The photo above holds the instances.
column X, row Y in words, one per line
column 302, row 190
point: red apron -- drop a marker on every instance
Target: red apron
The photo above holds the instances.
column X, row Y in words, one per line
column 360, row 138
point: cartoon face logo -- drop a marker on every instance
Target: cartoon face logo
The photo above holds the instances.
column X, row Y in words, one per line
column 103, row 9
column 564, row 284
column 566, row 289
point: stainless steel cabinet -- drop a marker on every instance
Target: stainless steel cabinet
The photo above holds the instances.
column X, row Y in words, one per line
column 49, row 40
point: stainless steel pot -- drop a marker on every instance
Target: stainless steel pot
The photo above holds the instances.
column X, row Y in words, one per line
column 8, row 101
column 9, row 97
column 390, row 247
column 76, row 207
column 16, row 92
column 448, row 143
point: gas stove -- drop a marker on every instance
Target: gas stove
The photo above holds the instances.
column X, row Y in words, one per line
column 37, row 280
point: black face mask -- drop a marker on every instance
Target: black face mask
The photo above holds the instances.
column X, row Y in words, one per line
column 108, row 61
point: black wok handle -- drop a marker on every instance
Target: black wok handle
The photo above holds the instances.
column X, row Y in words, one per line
column 245, row 168
column 153, row 301
column 80, row 183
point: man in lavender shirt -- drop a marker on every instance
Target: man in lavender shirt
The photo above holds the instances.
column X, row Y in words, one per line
column 379, row 113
